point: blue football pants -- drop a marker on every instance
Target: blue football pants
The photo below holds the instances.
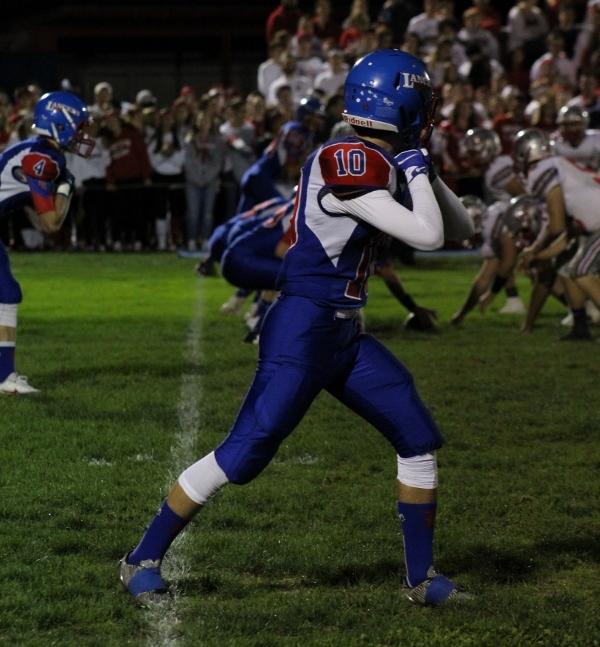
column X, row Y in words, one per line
column 304, row 348
column 10, row 290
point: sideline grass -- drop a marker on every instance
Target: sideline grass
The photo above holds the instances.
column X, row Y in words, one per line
column 310, row 553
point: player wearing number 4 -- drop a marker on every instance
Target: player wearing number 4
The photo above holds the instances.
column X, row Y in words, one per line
column 34, row 173
column 350, row 192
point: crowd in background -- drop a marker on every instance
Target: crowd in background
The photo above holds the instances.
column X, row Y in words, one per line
column 161, row 176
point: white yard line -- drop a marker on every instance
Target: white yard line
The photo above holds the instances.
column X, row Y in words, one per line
column 163, row 620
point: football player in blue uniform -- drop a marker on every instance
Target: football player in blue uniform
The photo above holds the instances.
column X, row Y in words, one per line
column 33, row 173
column 283, row 157
column 311, row 339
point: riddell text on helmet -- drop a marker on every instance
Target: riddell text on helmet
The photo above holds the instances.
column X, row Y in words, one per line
column 358, row 121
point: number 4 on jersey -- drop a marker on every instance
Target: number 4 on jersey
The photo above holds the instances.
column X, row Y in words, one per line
column 350, row 162
column 39, row 167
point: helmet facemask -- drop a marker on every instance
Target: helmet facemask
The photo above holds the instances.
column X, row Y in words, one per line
column 82, row 143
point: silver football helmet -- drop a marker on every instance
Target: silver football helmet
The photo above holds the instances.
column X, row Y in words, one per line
column 531, row 145
column 524, row 218
column 573, row 115
column 482, row 143
column 475, row 207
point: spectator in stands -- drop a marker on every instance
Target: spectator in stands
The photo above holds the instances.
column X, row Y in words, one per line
column 90, row 180
column 270, row 70
column 165, row 150
column 517, row 72
column 508, row 124
column 255, row 113
column 412, row 44
column 527, row 28
column 425, row 25
column 568, row 28
column 300, row 85
column 589, row 96
column 22, row 107
column 352, row 35
column 184, row 118
column 490, row 18
column 358, row 8
column 440, row 64
column 103, row 99
column 284, row 17
column 307, row 63
column 479, row 69
column 587, row 47
column 541, row 112
column 554, row 64
column 203, row 163
column 307, row 31
column 448, row 30
column 332, row 78
column 333, row 115
column 473, row 34
column 396, row 15
column 325, row 27
column 240, row 137
column 284, row 98
column 127, row 176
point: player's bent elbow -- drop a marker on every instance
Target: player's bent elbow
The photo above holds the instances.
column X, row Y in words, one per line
column 430, row 242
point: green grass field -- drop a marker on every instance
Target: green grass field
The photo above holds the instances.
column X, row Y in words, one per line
column 135, row 387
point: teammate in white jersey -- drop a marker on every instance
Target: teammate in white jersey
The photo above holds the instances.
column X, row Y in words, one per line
column 572, row 198
column 33, row 174
column 574, row 141
column 311, row 339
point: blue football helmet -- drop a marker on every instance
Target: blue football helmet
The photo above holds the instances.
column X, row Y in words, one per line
column 309, row 106
column 63, row 116
column 390, row 90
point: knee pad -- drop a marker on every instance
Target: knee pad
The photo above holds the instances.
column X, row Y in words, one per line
column 202, row 480
column 418, row 471
column 8, row 315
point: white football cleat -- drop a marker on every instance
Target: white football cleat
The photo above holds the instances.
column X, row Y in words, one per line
column 16, row 384
column 513, row 306
column 567, row 321
column 592, row 312
column 233, row 305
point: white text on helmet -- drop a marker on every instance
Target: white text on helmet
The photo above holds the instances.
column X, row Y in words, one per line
column 53, row 105
column 409, row 80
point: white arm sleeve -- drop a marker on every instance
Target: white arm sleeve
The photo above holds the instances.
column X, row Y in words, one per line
column 421, row 228
column 457, row 223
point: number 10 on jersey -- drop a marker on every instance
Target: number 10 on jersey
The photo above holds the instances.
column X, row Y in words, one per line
column 350, row 162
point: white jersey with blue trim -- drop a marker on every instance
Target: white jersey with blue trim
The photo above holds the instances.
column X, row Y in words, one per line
column 580, row 188
column 30, row 166
column 331, row 254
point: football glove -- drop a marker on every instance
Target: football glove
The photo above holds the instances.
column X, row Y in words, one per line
column 412, row 163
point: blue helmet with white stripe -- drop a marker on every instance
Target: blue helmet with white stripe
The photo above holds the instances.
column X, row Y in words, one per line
column 63, row 116
column 390, row 90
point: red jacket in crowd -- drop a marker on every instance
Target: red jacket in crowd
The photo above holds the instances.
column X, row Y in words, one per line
column 282, row 18
column 129, row 158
